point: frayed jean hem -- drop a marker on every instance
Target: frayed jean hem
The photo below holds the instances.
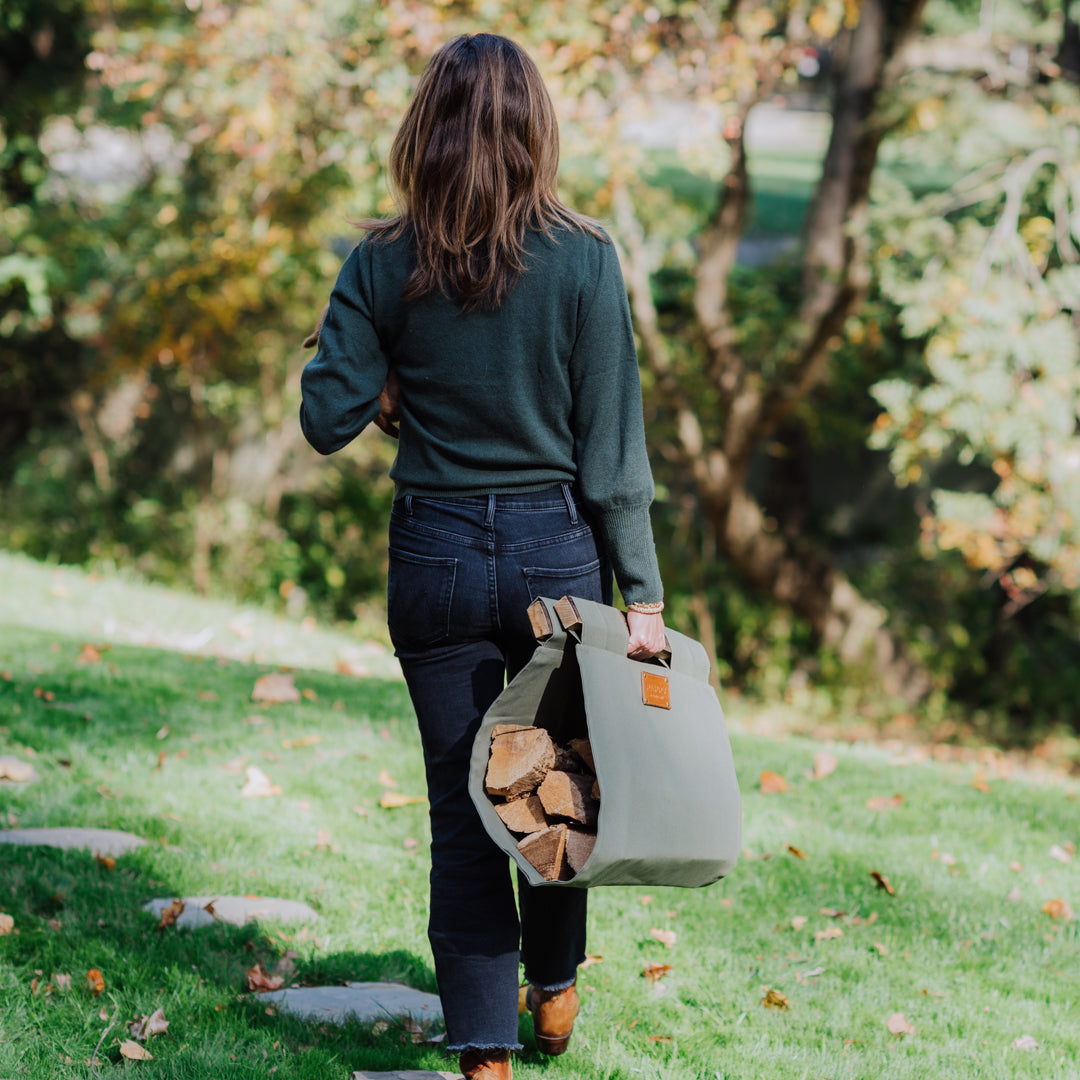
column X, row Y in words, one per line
column 551, row 987
column 461, row 1048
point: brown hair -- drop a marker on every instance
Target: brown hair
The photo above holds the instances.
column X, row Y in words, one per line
column 474, row 164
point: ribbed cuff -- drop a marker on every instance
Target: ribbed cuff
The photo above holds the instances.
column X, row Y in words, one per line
column 627, row 535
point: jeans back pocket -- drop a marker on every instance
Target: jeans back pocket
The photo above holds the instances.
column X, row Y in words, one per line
column 420, row 589
column 557, row 582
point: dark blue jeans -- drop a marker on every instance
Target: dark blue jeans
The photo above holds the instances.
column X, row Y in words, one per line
column 463, row 572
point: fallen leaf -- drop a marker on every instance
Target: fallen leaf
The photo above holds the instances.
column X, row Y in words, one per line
column 978, row 781
column 933, row 993
column 827, row 933
column 824, row 764
column 1024, row 1042
column 660, row 1039
column 94, row 981
column 90, row 654
column 391, row 799
column 7, row 924
column 308, row 694
column 306, row 740
column 772, row 783
column 646, row 900
column 798, row 922
column 1058, row 909
column 258, row 784
column 234, row 767
column 898, row 1025
column 668, row 937
column 276, row 688
column 1059, row 853
column 590, row 959
column 1016, row 867
column 134, row 1052
column 15, row 770
column 63, row 982
column 361, row 810
column 260, row 980
column 655, row 972
column 1014, row 895
column 323, row 840
column 796, row 851
column 409, row 844
column 881, row 950
column 881, row 802
column 831, row 913
column 286, row 965
column 773, row 999
column 882, row 882
column 106, row 862
column 813, row 973
column 103, row 1014
column 947, row 859
column 386, row 779
column 170, row 914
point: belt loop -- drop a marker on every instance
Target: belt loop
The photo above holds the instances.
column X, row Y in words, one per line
column 489, row 521
column 570, row 505
column 408, row 505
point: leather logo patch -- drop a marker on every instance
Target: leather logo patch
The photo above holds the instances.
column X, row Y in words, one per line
column 655, row 690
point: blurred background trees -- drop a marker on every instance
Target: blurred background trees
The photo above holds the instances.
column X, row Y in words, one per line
column 850, row 230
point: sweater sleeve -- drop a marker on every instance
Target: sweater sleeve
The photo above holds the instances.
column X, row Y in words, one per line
column 340, row 387
column 614, row 477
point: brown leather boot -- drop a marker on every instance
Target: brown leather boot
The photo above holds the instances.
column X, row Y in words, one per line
column 553, row 1013
column 485, row 1064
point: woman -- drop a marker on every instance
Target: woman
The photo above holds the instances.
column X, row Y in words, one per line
column 521, row 471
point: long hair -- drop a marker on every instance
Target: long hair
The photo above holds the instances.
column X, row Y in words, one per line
column 473, row 166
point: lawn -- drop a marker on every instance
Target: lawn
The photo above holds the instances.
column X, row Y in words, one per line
column 155, row 740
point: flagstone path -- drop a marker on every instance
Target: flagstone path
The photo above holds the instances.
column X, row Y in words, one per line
column 99, row 841
column 363, row 1001
column 237, row 910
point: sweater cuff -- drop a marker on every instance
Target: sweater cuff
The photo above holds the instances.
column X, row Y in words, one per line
column 628, row 541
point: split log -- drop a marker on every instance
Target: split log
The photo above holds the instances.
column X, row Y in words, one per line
column 525, row 815
column 546, row 850
column 567, row 760
column 568, row 795
column 583, row 749
column 519, row 761
column 579, row 846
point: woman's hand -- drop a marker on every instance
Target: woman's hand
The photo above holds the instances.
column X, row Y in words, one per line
column 646, row 635
column 389, row 406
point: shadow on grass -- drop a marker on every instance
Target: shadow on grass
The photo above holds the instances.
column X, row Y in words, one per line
column 73, row 914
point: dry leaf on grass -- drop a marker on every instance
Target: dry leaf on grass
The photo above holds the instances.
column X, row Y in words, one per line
column 797, row 852
column 386, row 779
column 1024, row 1042
column 260, row 980
column 590, row 959
column 258, row 784
column 305, row 740
column 772, row 783
column 1059, row 853
column 134, row 1052
column 773, row 999
column 410, row 843
column 832, row 913
column 798, row 922
column 655, row 972
column 881, row 950
column 827, row 933
column 106, row 862
column 170, row 914
column 661, row 1039
column 1016, row 867
column 234, row 767
column 979, row 782
column 880, row 802
column 276, row 688
column 813, row 973
column 1014, row 896
column 63, row 982
column 146, row 1026
column 94, row 981
column 391, row 799
column 882, row 882
column 91, row 654
column 1058, row 909
column 7, row 924
column 898, row 1024
column 824, row 764
column 668, row 937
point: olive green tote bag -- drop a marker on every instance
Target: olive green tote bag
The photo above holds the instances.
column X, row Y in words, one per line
column 669, row 808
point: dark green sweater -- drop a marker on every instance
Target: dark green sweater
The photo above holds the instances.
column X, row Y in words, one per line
column 541, row 391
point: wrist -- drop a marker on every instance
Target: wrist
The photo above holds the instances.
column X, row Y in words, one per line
column 643, row 608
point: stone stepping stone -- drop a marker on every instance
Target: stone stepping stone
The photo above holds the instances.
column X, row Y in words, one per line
column 410, row 1074
column 363, row 1001
column 99, row 841
column 237, row 910
column 14, row 770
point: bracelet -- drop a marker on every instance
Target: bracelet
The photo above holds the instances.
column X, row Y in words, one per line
column 646, row 609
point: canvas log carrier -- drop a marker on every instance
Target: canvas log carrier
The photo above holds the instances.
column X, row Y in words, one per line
column 594, row 769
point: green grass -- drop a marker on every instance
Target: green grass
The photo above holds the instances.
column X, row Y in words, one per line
column 970, row 970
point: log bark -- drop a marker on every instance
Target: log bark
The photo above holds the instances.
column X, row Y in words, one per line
column 519, row 761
